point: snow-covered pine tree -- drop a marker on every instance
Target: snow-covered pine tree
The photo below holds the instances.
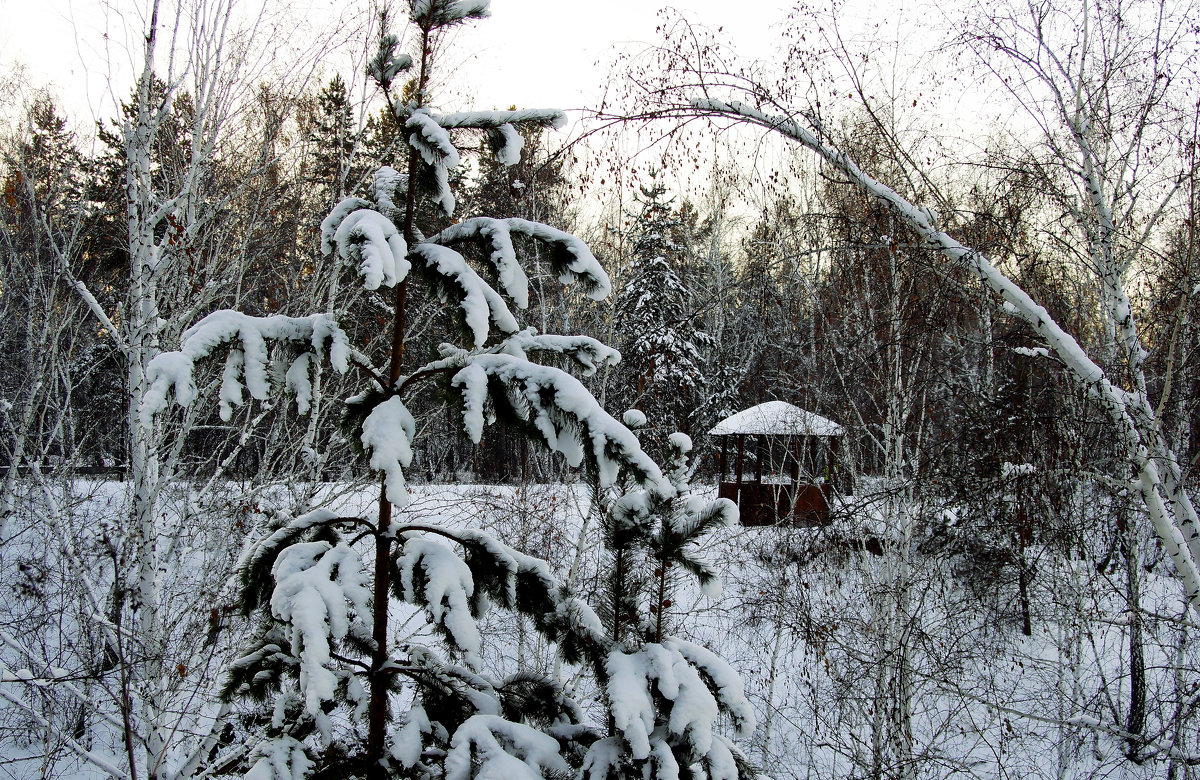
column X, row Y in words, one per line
column 659, row 688
column 327, row 687
column 663, row 343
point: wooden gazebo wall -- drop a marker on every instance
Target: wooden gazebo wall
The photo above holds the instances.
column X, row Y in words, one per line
column 774, row 503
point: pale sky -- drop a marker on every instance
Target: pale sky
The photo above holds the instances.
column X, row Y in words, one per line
column 530, row 53
column 533, row 53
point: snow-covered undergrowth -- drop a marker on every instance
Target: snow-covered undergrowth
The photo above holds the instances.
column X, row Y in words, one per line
column 806, row 620
column 804, row 617
column 65, row 655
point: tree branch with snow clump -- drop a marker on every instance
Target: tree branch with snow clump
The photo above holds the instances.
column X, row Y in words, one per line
column 370, row 238
column 387, row 434
column 316, row 582
column 282, row 758
column 502, row 749
column 367, row 238
column 543, row 117
column 433, row 575
column 553, row 402
column 480, row 305
column 570, row 258
column 433, row 143
column 591, row 354
column 667, row 675
column 503, row 137
column 247, row 362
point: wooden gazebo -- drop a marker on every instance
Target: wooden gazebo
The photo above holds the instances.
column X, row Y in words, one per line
column 785, row 473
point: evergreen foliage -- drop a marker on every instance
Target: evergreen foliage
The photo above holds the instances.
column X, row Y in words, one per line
column 327, row 686
column 664, row 345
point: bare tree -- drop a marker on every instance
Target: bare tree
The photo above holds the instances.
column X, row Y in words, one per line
column 1103, row 85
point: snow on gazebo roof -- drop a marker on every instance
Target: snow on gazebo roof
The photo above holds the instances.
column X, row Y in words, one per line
column 779, row 419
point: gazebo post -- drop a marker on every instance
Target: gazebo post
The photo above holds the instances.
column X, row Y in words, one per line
column 741, row 450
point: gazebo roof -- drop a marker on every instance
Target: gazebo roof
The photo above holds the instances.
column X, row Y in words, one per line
column 779, row 419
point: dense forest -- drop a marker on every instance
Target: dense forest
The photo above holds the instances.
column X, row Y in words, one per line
column 342, row 435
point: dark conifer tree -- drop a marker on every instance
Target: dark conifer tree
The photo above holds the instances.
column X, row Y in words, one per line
column 663, row 341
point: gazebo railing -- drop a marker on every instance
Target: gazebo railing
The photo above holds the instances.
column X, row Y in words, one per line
column 779, row 504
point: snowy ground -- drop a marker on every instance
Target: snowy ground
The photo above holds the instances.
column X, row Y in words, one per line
column 813, row 624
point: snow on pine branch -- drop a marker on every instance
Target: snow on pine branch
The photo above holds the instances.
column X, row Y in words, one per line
column 545, row 117
column 507, row 144
column 248, row 359
column 279, row 758
column 255, row 551
column 669, row 682
column 387, row 434
column 433, row 143
column 367, row 239
column 315, row 583
column 570, row 258
column 344, row 208
column 434, row 576
column 534, row 576
column 689, row 690
column 562, row 410
column 481, row 305
column 502, row 257
column 591, row 354
column 488, row 746
column 720, row 677
column 506, row 141
column 386, row 184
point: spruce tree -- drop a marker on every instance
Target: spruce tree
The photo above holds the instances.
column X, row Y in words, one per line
column 334, row 168
column 664, row 346
column 328, row 687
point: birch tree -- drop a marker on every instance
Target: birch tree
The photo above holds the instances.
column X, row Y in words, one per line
column 1104, row 87
column 1106, row 83
column 138, row 574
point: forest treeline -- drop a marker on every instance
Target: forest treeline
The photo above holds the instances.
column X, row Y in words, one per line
column 1008, row 335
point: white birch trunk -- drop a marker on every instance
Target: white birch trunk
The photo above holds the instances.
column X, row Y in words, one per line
column 1134, row 420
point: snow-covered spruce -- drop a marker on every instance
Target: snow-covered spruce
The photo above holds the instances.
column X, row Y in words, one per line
column 666, row 352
